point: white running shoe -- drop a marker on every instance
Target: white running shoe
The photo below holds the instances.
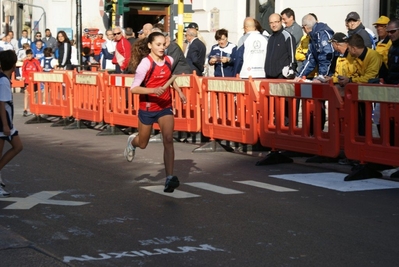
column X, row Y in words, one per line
column 3, row 193
column 130, row 149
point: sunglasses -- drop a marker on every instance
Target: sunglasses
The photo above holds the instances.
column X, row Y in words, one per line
column 38, row 36
column 117, row 33
column 392, row 31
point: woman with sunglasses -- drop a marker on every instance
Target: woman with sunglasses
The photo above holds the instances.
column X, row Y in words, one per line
column 122, row 51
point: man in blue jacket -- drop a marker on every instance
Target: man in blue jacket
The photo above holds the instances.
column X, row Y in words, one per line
column 222, row 55
column 321, row 52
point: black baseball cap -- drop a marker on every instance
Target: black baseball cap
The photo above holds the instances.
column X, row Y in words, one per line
column 339, row 37
column 193, row 25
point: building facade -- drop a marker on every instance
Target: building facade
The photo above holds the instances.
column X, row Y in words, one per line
column 210, row 15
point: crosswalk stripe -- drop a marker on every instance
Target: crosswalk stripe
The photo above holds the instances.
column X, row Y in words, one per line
column 215, row 188
column 266, row 186
column 335, row 181
column 176, row 194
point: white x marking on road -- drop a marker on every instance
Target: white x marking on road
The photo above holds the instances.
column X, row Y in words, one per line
column 39, row 198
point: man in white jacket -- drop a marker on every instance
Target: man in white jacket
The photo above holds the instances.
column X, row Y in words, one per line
column 108, row 50
column 251, row 56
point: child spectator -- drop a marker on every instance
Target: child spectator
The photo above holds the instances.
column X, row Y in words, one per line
column 87, row 58
column 8, row 60
column 21, row 55
column 48, row 62
column 30, row 64
column 38, row 50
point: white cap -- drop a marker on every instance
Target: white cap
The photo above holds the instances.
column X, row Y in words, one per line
column 100, row 32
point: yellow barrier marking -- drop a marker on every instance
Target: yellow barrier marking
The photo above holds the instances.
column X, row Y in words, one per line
column 257, row 84
column 226, row 86
column 69, row 72
column 129, row 81
column 48, row 77
column 282, row 89
column 122, row 81
column 86, row 79
column 379, row 94
column 183, row 81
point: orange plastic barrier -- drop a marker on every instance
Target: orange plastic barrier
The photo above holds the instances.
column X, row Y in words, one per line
column 54, row 94
column 371, row 147
column 187, row 116
column 88, row 96
column 229, row 109
column 276, row 133
column 120, row 105
column 16, row 83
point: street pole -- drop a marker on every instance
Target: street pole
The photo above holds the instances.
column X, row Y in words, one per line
column 79, row 31
column 180, row 29
column 113, row 17
column 27, row 4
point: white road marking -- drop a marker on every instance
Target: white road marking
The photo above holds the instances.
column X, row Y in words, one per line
column 176, row 194
column 39, row 198
column 335, row 181
column 215, row 188
column 267, row 186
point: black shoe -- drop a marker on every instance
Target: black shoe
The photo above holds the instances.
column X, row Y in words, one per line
column 22, row 90
column 26, row 113
column 171, row 184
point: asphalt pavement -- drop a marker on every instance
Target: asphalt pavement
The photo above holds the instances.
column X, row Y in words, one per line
column 75, row 201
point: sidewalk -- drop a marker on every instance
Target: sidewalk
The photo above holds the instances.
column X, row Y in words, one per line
column 17, row 251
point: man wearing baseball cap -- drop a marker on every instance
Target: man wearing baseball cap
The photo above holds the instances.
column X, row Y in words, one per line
column 86, row 40
column 344, row 64
column 140, row 34
column 355, row 25
column 194, row 25
column 384, row 42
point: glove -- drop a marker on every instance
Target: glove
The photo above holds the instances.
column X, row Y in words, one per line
column 288, row 72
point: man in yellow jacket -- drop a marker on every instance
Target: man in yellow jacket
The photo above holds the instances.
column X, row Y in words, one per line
column 367, row 64
column 384, row 42
column 345, row 61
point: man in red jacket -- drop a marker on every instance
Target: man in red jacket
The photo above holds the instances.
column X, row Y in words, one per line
column 97, row 46
column 86, row 40
column 122, row 51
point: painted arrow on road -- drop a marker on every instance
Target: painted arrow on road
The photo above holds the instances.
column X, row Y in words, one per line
column 39, row 198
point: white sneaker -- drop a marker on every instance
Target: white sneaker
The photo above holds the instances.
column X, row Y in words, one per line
column 130, row 149
column 3, row 193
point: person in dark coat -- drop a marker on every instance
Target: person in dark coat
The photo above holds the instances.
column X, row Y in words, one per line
column 180, row 65
column 195, row 52
column 64, row 51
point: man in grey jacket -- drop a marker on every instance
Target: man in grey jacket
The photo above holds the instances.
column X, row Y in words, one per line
column 355, row 25
column 288, row 16
column 49, row 40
